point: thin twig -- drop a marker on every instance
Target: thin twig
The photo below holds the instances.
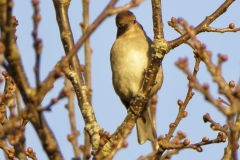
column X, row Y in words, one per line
column 87, row 70
column 74, row 132
column 37, row 42
column 200, row 28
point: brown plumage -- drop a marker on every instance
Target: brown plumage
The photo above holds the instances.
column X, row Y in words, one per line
column 130, row 55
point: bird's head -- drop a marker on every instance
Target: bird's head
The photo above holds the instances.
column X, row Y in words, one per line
column 124, row 21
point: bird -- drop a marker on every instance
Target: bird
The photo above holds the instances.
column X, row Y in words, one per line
column 130, row 56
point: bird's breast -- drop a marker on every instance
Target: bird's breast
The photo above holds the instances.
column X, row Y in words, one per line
column 129, row 58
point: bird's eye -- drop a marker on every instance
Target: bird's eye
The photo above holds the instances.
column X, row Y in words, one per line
column 134, row 21
column 126, row 25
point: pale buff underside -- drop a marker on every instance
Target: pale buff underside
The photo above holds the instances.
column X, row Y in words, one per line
column 130, row 56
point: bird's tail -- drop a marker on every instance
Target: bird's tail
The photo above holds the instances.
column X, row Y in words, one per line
column 145, row 127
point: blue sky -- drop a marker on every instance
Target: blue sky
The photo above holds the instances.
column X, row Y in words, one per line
column 107, row 106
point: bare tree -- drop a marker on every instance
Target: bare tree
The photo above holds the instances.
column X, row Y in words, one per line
column 21, row 104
